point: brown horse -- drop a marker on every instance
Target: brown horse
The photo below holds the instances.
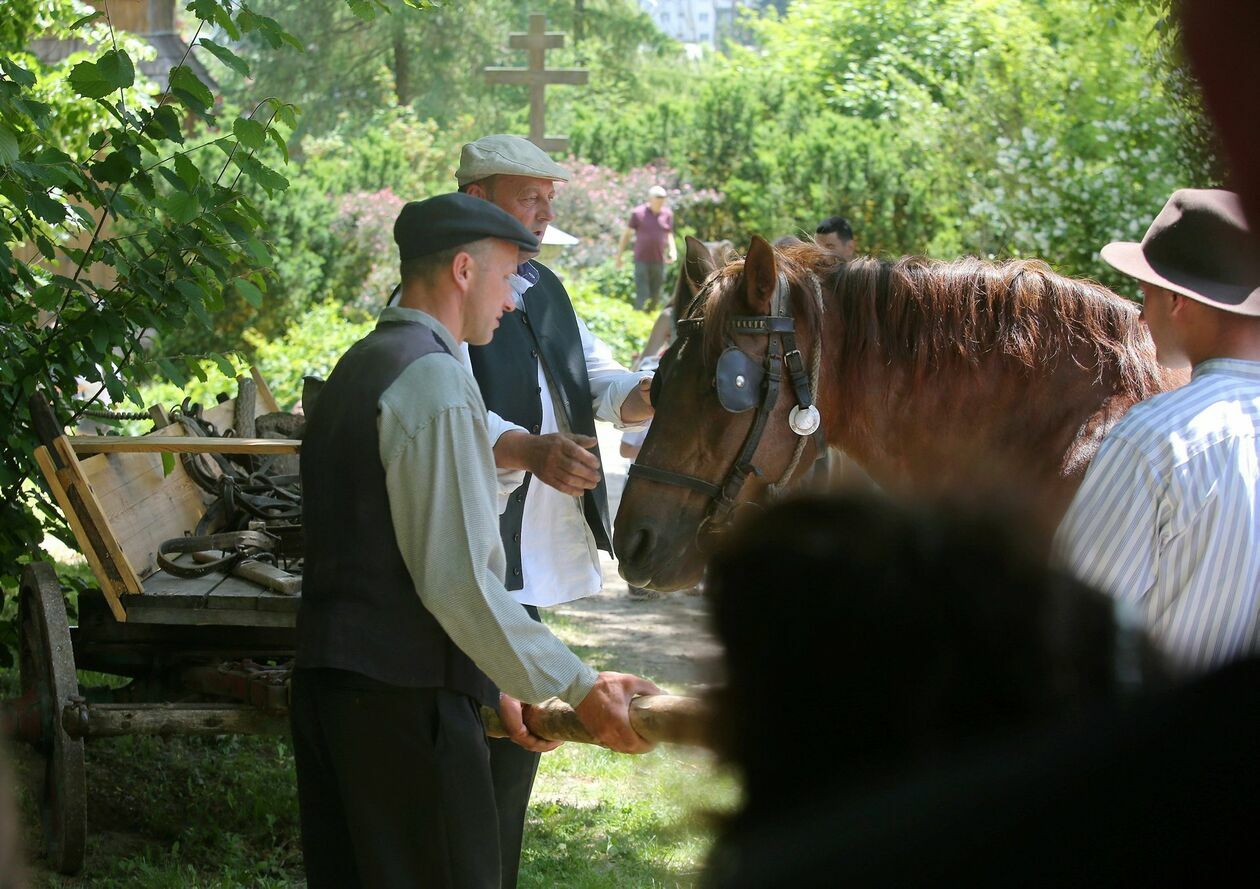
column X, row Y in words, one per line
column 938, row 377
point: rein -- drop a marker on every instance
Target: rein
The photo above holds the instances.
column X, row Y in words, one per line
column 735, row 379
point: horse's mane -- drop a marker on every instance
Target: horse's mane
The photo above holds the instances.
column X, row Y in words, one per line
column 925, row 314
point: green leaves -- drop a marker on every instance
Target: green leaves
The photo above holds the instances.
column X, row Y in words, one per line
column 225, row 55
column 8, row 146
column 181, row 207
column 95, row 80
column 218, row 13
column 117, row 166
column 116, row 68
column 188, row 88
column 17, row 73
column 248, row 291
column 251, row 133
column 366, row 9
column 267, row 28
column 76, row 298
column 255, row 169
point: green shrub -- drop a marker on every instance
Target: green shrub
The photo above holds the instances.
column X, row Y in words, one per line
column 611, row 318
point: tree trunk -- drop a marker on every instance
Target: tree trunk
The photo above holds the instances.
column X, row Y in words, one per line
column 402, row 68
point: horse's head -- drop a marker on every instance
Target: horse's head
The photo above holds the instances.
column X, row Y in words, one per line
column 735, row 413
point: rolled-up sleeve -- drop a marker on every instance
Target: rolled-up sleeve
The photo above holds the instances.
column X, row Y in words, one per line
column 610, row 381
column 440, row 479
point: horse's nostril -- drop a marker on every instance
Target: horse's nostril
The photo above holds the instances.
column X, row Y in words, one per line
column 640, row 544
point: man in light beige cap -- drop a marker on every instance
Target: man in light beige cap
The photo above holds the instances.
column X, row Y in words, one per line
column 545, row 380
column 1167, row 518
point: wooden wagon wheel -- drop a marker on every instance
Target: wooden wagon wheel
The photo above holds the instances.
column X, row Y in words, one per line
column 48, row 678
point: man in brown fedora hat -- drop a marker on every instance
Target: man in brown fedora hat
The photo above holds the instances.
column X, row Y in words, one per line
column 1168, row 516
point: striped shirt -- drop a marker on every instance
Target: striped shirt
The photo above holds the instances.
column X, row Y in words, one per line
column 440, row 475
column 1168, row 516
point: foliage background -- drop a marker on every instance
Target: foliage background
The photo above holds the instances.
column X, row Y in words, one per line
column 155, row 237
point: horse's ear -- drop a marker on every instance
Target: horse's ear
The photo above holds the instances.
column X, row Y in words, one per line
column 699, row 263
column 760, row 275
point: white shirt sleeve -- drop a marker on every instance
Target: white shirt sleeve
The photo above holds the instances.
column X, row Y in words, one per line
column 610, row 382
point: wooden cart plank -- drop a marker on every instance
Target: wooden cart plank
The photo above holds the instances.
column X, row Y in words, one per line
column 152, row 613
column 86, row 544
column 182, row 444
column 145, row 506
column 96, row 515
column 266, row 401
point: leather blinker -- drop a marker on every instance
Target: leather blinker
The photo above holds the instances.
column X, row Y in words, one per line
column 738, row 380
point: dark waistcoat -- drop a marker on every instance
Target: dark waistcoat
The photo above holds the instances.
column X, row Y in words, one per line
column 507, row 372
column 359, row 610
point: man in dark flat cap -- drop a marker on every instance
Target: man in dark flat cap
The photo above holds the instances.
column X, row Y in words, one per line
column 405, row 626
column 1167, row 518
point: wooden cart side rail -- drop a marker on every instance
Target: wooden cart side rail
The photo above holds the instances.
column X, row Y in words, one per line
column 180, row 444
column 69, row 496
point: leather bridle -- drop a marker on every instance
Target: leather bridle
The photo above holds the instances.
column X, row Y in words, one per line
column 735, row 380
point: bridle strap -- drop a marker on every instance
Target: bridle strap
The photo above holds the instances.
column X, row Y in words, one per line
column 708, row 489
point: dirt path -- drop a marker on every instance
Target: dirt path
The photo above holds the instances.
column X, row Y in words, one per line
column 665, row 639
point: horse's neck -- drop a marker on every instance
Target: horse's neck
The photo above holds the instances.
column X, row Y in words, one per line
column 958, row 428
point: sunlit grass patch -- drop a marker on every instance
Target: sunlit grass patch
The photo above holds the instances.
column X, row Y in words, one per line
column 601, row 819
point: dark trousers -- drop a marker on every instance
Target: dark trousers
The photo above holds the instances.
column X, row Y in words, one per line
column 394, row 785
column 512, row 769
column 648, row 279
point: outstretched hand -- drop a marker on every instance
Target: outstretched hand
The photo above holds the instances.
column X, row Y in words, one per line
column 605, row 711
column 559, row 459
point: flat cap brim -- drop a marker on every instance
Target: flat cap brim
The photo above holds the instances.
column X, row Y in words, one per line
column 506, row 155
column 452, row 220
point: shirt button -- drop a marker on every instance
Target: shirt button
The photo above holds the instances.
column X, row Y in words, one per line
column 524, row 319
column 519, row 497
column 535, row 429
column 533, row 353
column 516, row 572
column 516, row 538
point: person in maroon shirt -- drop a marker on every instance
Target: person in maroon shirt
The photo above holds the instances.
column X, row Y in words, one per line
column 652, row 227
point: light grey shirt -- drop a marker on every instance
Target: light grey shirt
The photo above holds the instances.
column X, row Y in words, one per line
column 440, row 476
column 1168, row 516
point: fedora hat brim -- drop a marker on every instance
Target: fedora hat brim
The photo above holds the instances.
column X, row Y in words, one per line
column 1129, row 258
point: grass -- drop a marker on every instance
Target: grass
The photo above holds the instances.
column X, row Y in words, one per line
column 222, row 812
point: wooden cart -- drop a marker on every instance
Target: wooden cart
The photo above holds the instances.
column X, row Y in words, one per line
column 206, row 655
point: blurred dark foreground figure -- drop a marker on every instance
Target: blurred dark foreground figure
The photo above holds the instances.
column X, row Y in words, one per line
column 916, row 700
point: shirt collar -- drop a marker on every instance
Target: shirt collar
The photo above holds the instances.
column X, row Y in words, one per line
column 526, row 276
column 399, row 314
column 1238, row 367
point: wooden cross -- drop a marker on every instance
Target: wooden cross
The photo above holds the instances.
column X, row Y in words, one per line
column 537, row 76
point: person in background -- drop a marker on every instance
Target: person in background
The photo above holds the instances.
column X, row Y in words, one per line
column 836, row 235
column 651, row 225
column 1168, row 515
